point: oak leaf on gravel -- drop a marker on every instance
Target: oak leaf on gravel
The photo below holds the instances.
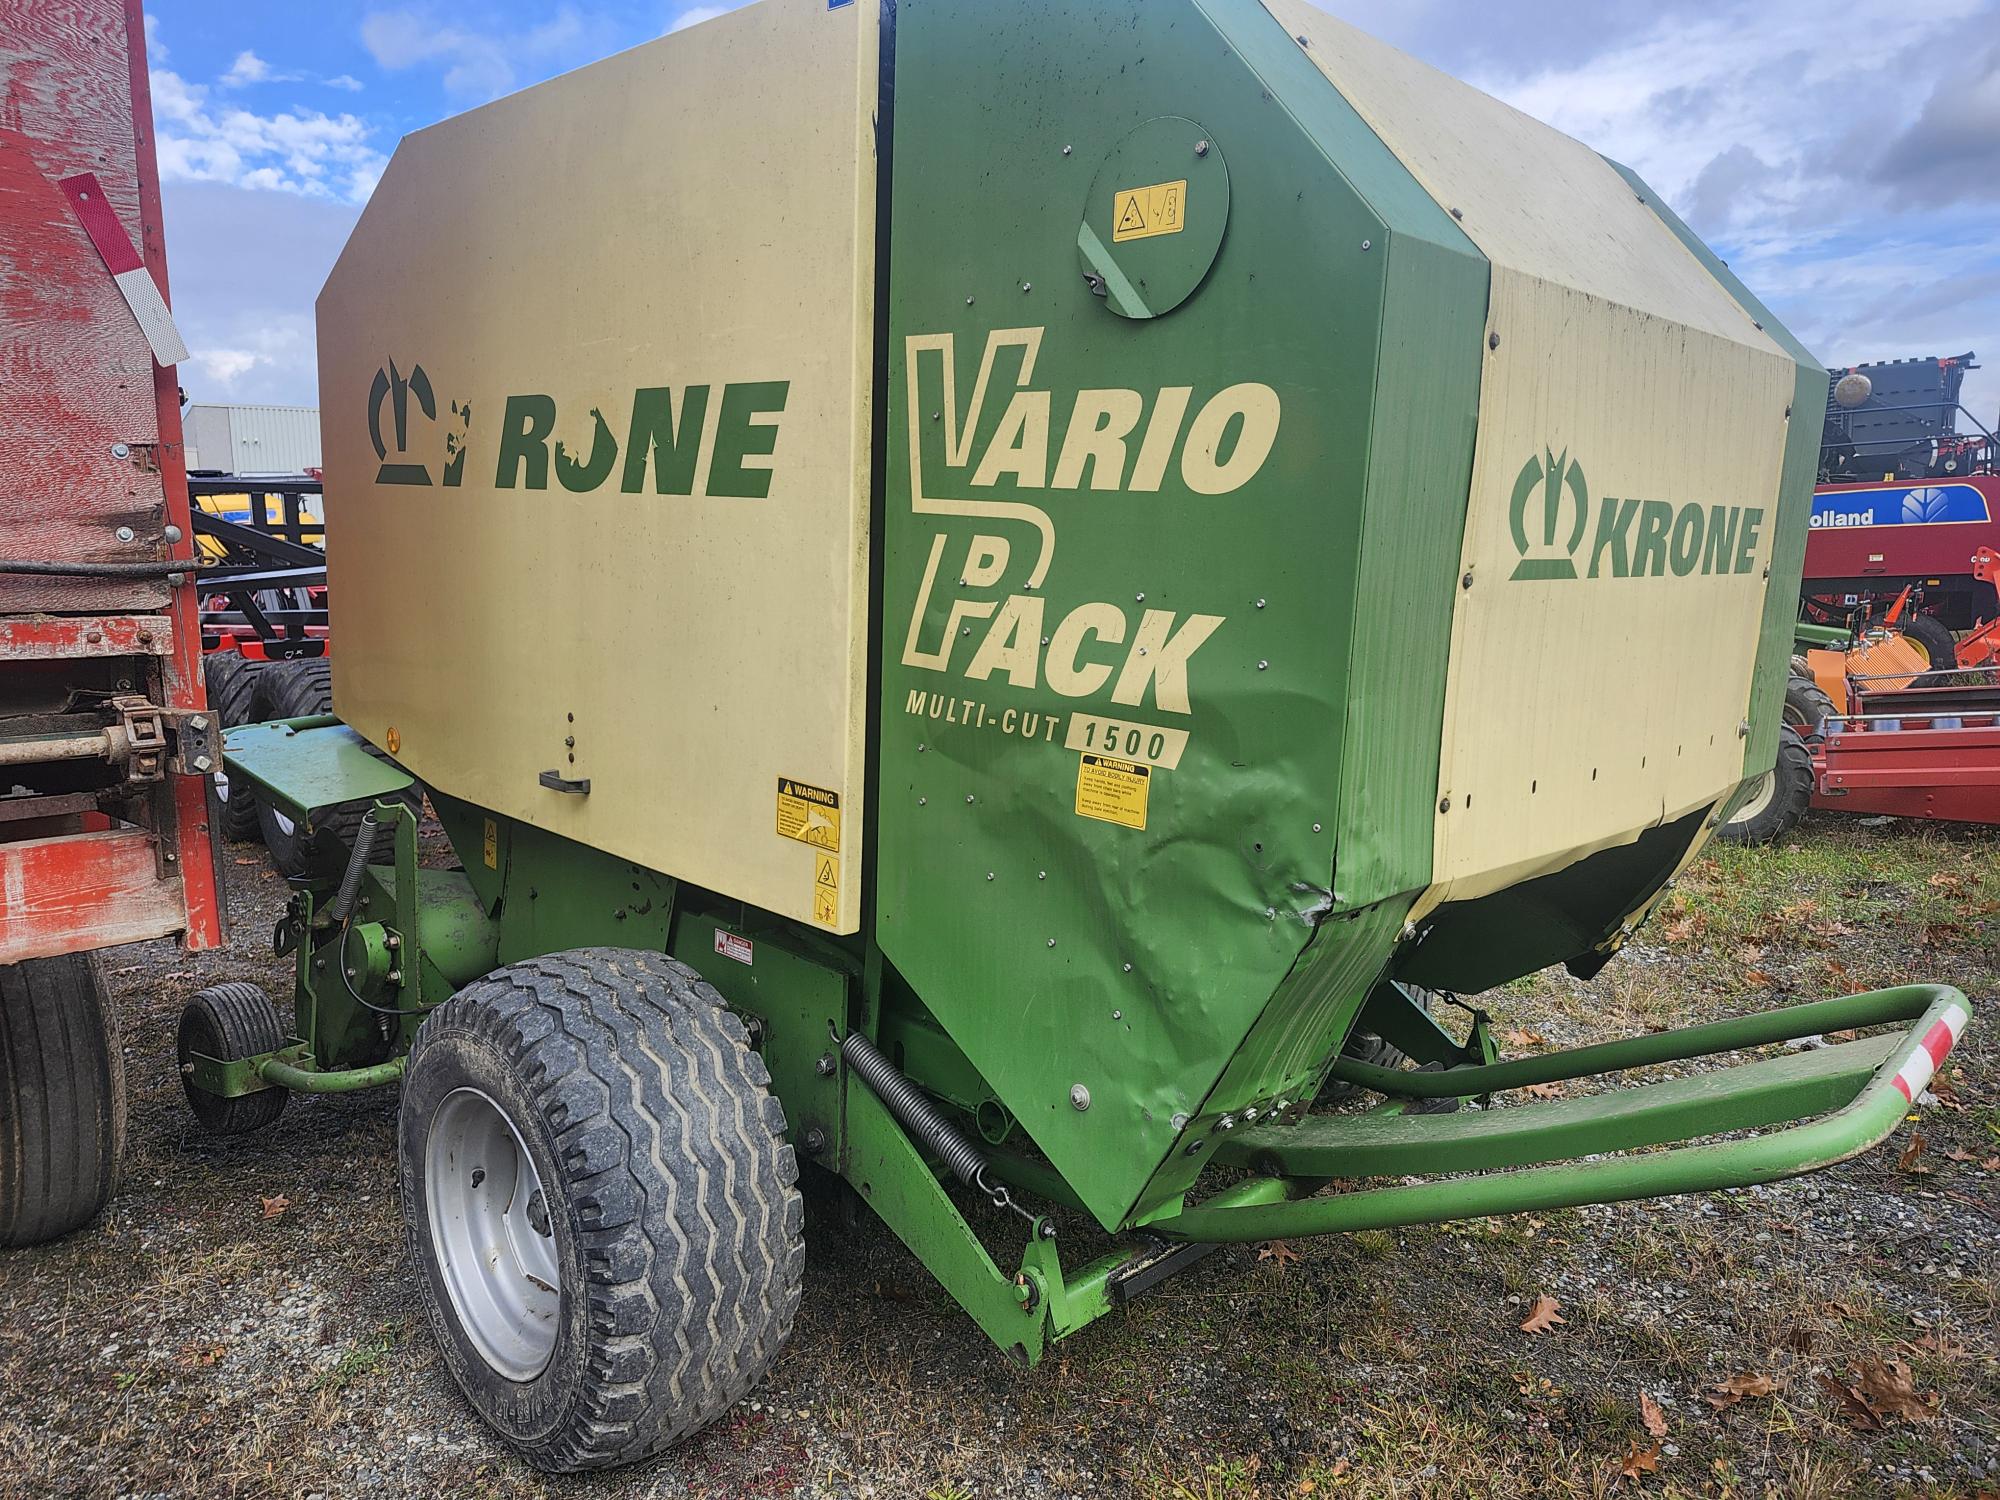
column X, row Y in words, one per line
column 1652, row 1416
column 1640, row 1461
column 275, row 1206
column 1736, row 1387
column 1279, row 1251
column 1543, row 1315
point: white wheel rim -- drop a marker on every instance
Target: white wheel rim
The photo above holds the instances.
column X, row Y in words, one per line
column 490, row 1232
column 285, row 825
column 1767, row 788
column 221, row 787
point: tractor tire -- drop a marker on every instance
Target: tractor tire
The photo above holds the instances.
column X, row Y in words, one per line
column 298, row 690
column 1781, row 798
column 229, row 1022
column 1807, row 708
column 235, row 694
column 600, row 1202
column 1929, row 635
column 62, row 1097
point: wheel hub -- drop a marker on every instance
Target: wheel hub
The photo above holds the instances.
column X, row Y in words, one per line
column 490, row 1231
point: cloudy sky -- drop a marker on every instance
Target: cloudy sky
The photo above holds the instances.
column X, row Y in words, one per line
column 1844, row 158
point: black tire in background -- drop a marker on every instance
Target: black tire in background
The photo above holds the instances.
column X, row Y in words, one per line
column 1781, row 798
column 302, row 690
column 594, row 1127
column 234, row 684
column 1807, row 707
column 1930, row 636
column 229, row 1022
column 62, row 1097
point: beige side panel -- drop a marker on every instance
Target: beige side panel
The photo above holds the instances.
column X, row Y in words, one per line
column 698, row 212
column 1581, row 710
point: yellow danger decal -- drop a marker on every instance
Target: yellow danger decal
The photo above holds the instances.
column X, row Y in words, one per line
column 489, row 845
column 826, row 890
column 810, row 814
column 1142, row 212
column 1112, row 791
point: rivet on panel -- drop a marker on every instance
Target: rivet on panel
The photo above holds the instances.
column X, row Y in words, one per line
column 1466, row 581
column 1263, row 666
column 1493, row 341
column 1079, row 1097
column 1201, row 148
column 1052, row 942
column 1315, row 828
column 1042, row 875
column 1066, row 151
column 1445, row 805
column 1179, row 1123
column 1367, row 244
column 968, row 796
column 1128, row 968
column 1118, row 1015
column 1260, row 603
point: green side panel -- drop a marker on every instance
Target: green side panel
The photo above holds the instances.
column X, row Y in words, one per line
column 1801, row 470
column 320, row 765
column 1186, row 602
column 1429, row 356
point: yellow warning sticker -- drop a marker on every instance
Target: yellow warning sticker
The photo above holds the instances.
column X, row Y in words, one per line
column 826, row 890
column 1142, row 212
column 810, row 814
column 489, row 845
column 1112, row 791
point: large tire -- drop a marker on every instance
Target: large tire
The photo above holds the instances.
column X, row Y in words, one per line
column 235, row 695
column 300, row 690
column 62, row 1097
column 1929, row 635
column 1807, row 707
column 230, row 1022
column 1781, row 798
column 601, row 1204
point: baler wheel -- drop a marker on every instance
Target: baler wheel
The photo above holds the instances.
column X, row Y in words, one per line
column 1781, row 798
column 1807, row 707
column 62, row 1097
column 235, row 695
column 229, row 1022
column 1930, row 635
column 601, row 1202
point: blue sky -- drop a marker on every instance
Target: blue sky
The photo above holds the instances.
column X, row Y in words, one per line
column 1844, row 158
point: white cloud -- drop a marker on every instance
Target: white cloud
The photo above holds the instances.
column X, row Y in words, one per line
column 694, row 15
column 485, row 61
column 296, row 150
column 248, row 68
column 344, row 81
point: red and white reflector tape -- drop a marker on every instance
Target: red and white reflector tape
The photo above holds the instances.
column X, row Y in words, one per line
column 142, row 294
column 1930, row 1052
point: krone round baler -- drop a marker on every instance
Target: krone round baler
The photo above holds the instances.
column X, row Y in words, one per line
column 998, row 599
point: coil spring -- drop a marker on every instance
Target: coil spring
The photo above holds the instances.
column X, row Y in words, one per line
column 357, row 862
column 921, row 1118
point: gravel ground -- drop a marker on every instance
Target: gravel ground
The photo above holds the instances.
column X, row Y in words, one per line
column 244, row 1321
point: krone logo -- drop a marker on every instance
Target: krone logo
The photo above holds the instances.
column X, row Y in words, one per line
column 1548, row 538
column 393, row 387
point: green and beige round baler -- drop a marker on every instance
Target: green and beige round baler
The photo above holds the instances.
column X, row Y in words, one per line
column 1064, row 563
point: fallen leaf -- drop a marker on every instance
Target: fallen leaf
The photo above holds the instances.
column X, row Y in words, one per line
column 1958, row 1153
column 1851, row 1405
column 1736, row 1387
column 275, row 1206
column 1542, row 1315
column 1991, row 1164
column 1652, row 1416
column 1889, row 1389
column 1519, row 1038
column 1842, row 1036
column 1278, row 1251
column 1940, row 1344
column 1908, row 1162
column 1640, row 1461
column 1679, row 930
column 1545, row 1090
column 1758, row 978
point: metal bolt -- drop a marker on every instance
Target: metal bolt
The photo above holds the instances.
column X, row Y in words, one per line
column 1066, row 151
column 1445, row 805
column 815, row 1141
column 1458, row 213
column 965, row 630
column 1079, row 1097
column 1493, row 341
column 1263, row 666
column 1118, row 1015
column 1743, row 730
column 187, row 1070
column 124, row 533
column 1140, row 597
column 1041, row 875
column 569, row 741
column 199, row 721
column 1367, row 244
column 172, row 533
column 1260, row 603
column 1128, row 968
column 968, row 796
column 1052, row 942
column 392, row 941
column 922, row 800
column 1315, row 828
column 1194, row 1148
column 1027, row 286
column 1227, row 1122
column 1201, row 148
column 1179, row 1123
column 989, row 874
column 94, row 636
column 172, row 858
column 968, row 302
column 121, row 450
column 203, row 763
column 1250, row 1114
column 1466, row 581
column 1409, row 931
column 1270, row 913
column 824, row 1065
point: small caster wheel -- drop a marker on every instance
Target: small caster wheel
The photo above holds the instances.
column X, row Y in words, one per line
column 228, row 1022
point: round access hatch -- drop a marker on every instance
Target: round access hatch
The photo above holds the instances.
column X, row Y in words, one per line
column 1154, row 222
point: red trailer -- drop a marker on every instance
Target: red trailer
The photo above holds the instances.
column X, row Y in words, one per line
column 107, row 748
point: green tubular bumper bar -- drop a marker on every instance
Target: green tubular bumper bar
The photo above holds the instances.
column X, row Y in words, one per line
column 1868, row 1085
